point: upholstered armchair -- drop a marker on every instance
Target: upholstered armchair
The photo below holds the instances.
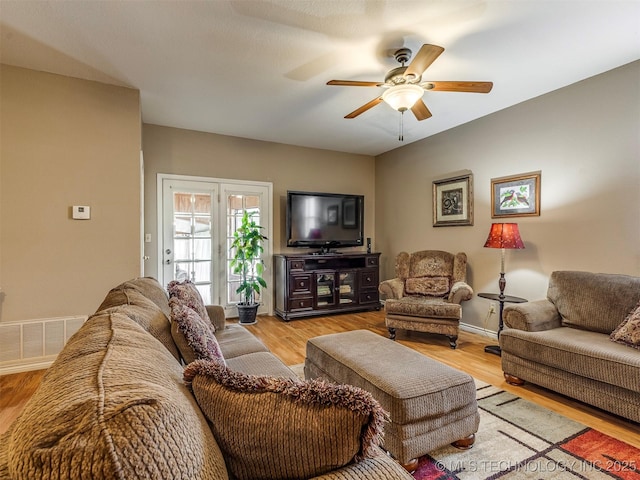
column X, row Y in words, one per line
column 427, row 293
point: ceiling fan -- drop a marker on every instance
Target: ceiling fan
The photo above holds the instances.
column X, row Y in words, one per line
column 404, row 85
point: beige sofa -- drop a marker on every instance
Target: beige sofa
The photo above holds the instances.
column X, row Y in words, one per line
column 563, row 342
column 114, row 405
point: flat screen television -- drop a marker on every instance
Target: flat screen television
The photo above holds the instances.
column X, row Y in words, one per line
column 324, row 220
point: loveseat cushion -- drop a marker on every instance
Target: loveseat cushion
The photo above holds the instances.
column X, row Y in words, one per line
column 113, row 406
column 593, row 301
column 282, row 428
column 580, row 352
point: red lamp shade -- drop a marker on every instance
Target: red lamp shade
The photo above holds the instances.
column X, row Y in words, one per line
column 504, row 235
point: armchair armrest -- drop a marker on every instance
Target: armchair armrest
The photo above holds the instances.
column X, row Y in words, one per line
column 532, row 316
column 460, row 291
column 216, row 315
column 393, row 288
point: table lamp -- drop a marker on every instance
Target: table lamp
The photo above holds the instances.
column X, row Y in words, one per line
column 503, row 236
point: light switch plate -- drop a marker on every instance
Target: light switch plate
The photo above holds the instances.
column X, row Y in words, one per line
column 81, row 212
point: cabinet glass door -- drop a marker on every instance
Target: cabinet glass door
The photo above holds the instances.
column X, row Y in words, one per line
column 325, row 286
column 347, row 287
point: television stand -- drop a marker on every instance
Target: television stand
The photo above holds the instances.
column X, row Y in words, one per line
column 326, row 283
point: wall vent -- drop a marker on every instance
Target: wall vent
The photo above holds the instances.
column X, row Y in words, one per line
column 34, row 344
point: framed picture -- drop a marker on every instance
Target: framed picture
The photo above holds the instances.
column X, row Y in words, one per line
column 453, row 201
column 332, row 215
column 516, row 196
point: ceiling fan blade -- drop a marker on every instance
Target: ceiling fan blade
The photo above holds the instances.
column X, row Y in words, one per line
column 425, row 57
column 364, row 108
column 473, row 87
column 354, row 83
column 420, row 110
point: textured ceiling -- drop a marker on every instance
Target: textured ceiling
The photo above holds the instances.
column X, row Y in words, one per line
column 258, row 69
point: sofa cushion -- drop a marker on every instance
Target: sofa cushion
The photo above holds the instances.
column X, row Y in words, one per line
column 260, row 363
column 434, row 286
column 423, row 307
column 282, row 428
column 628, row 332
column 152, row 320
column 137, row 306
column 193, row 335
column 187, row 293
column 235, row 340
column 113, row 405
column 148, row 287
column 593, row 301
column 579, row 352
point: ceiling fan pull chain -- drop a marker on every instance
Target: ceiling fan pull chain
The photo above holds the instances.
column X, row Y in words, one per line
column 401, row 128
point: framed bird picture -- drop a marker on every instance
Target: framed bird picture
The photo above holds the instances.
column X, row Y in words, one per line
column 516, row 196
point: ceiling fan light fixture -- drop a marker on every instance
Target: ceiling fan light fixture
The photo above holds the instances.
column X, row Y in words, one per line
column 403, row 97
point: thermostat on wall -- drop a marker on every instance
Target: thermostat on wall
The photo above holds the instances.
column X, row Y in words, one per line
column 81, row 212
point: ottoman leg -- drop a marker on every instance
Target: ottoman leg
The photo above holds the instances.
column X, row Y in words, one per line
column 392, row 333
column 453, row 341
column 411, row 465
column 465, row 443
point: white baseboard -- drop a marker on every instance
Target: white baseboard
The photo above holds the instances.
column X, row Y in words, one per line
column 478, row 331
column 25, row 367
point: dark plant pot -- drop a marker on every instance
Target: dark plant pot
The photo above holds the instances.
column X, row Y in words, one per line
column 247, row 314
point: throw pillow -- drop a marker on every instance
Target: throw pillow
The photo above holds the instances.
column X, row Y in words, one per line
column 188, row 294
column 436, row 286
column 274, row 427
column 628, row 332
column 193, row 336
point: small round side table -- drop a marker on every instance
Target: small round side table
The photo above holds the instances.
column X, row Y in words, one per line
column 502, row 299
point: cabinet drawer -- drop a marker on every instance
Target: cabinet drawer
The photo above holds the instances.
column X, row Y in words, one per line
column 372, row 261
column 300, row 284
column 297, row 304
column 296, row 265
column 369, row 297
column 369, row 278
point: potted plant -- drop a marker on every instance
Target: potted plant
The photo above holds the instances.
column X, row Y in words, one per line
column 247, row 262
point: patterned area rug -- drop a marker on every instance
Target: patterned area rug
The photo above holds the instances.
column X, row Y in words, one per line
column 518, row 439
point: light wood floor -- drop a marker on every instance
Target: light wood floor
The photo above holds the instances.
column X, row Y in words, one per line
column 288, row 340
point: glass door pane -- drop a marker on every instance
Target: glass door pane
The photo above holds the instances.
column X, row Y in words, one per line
column 237, row 204
column 192, row 240
column 325, row 289
column 347, row 287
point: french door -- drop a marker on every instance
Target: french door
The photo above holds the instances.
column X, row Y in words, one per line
column 196, row 221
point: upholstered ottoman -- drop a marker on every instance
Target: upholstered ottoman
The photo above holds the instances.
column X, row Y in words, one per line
column 430, row 404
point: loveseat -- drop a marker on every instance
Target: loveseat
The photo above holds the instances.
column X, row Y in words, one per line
column 120, row 402
column 581, row 341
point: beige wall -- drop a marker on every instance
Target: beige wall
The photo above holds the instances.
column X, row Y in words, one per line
column 66, row 142
column 185, row 152
column 585, row 139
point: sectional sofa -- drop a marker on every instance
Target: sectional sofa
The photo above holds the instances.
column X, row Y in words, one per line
column 118, row 404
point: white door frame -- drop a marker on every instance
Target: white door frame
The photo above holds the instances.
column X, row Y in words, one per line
column 266, row 221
